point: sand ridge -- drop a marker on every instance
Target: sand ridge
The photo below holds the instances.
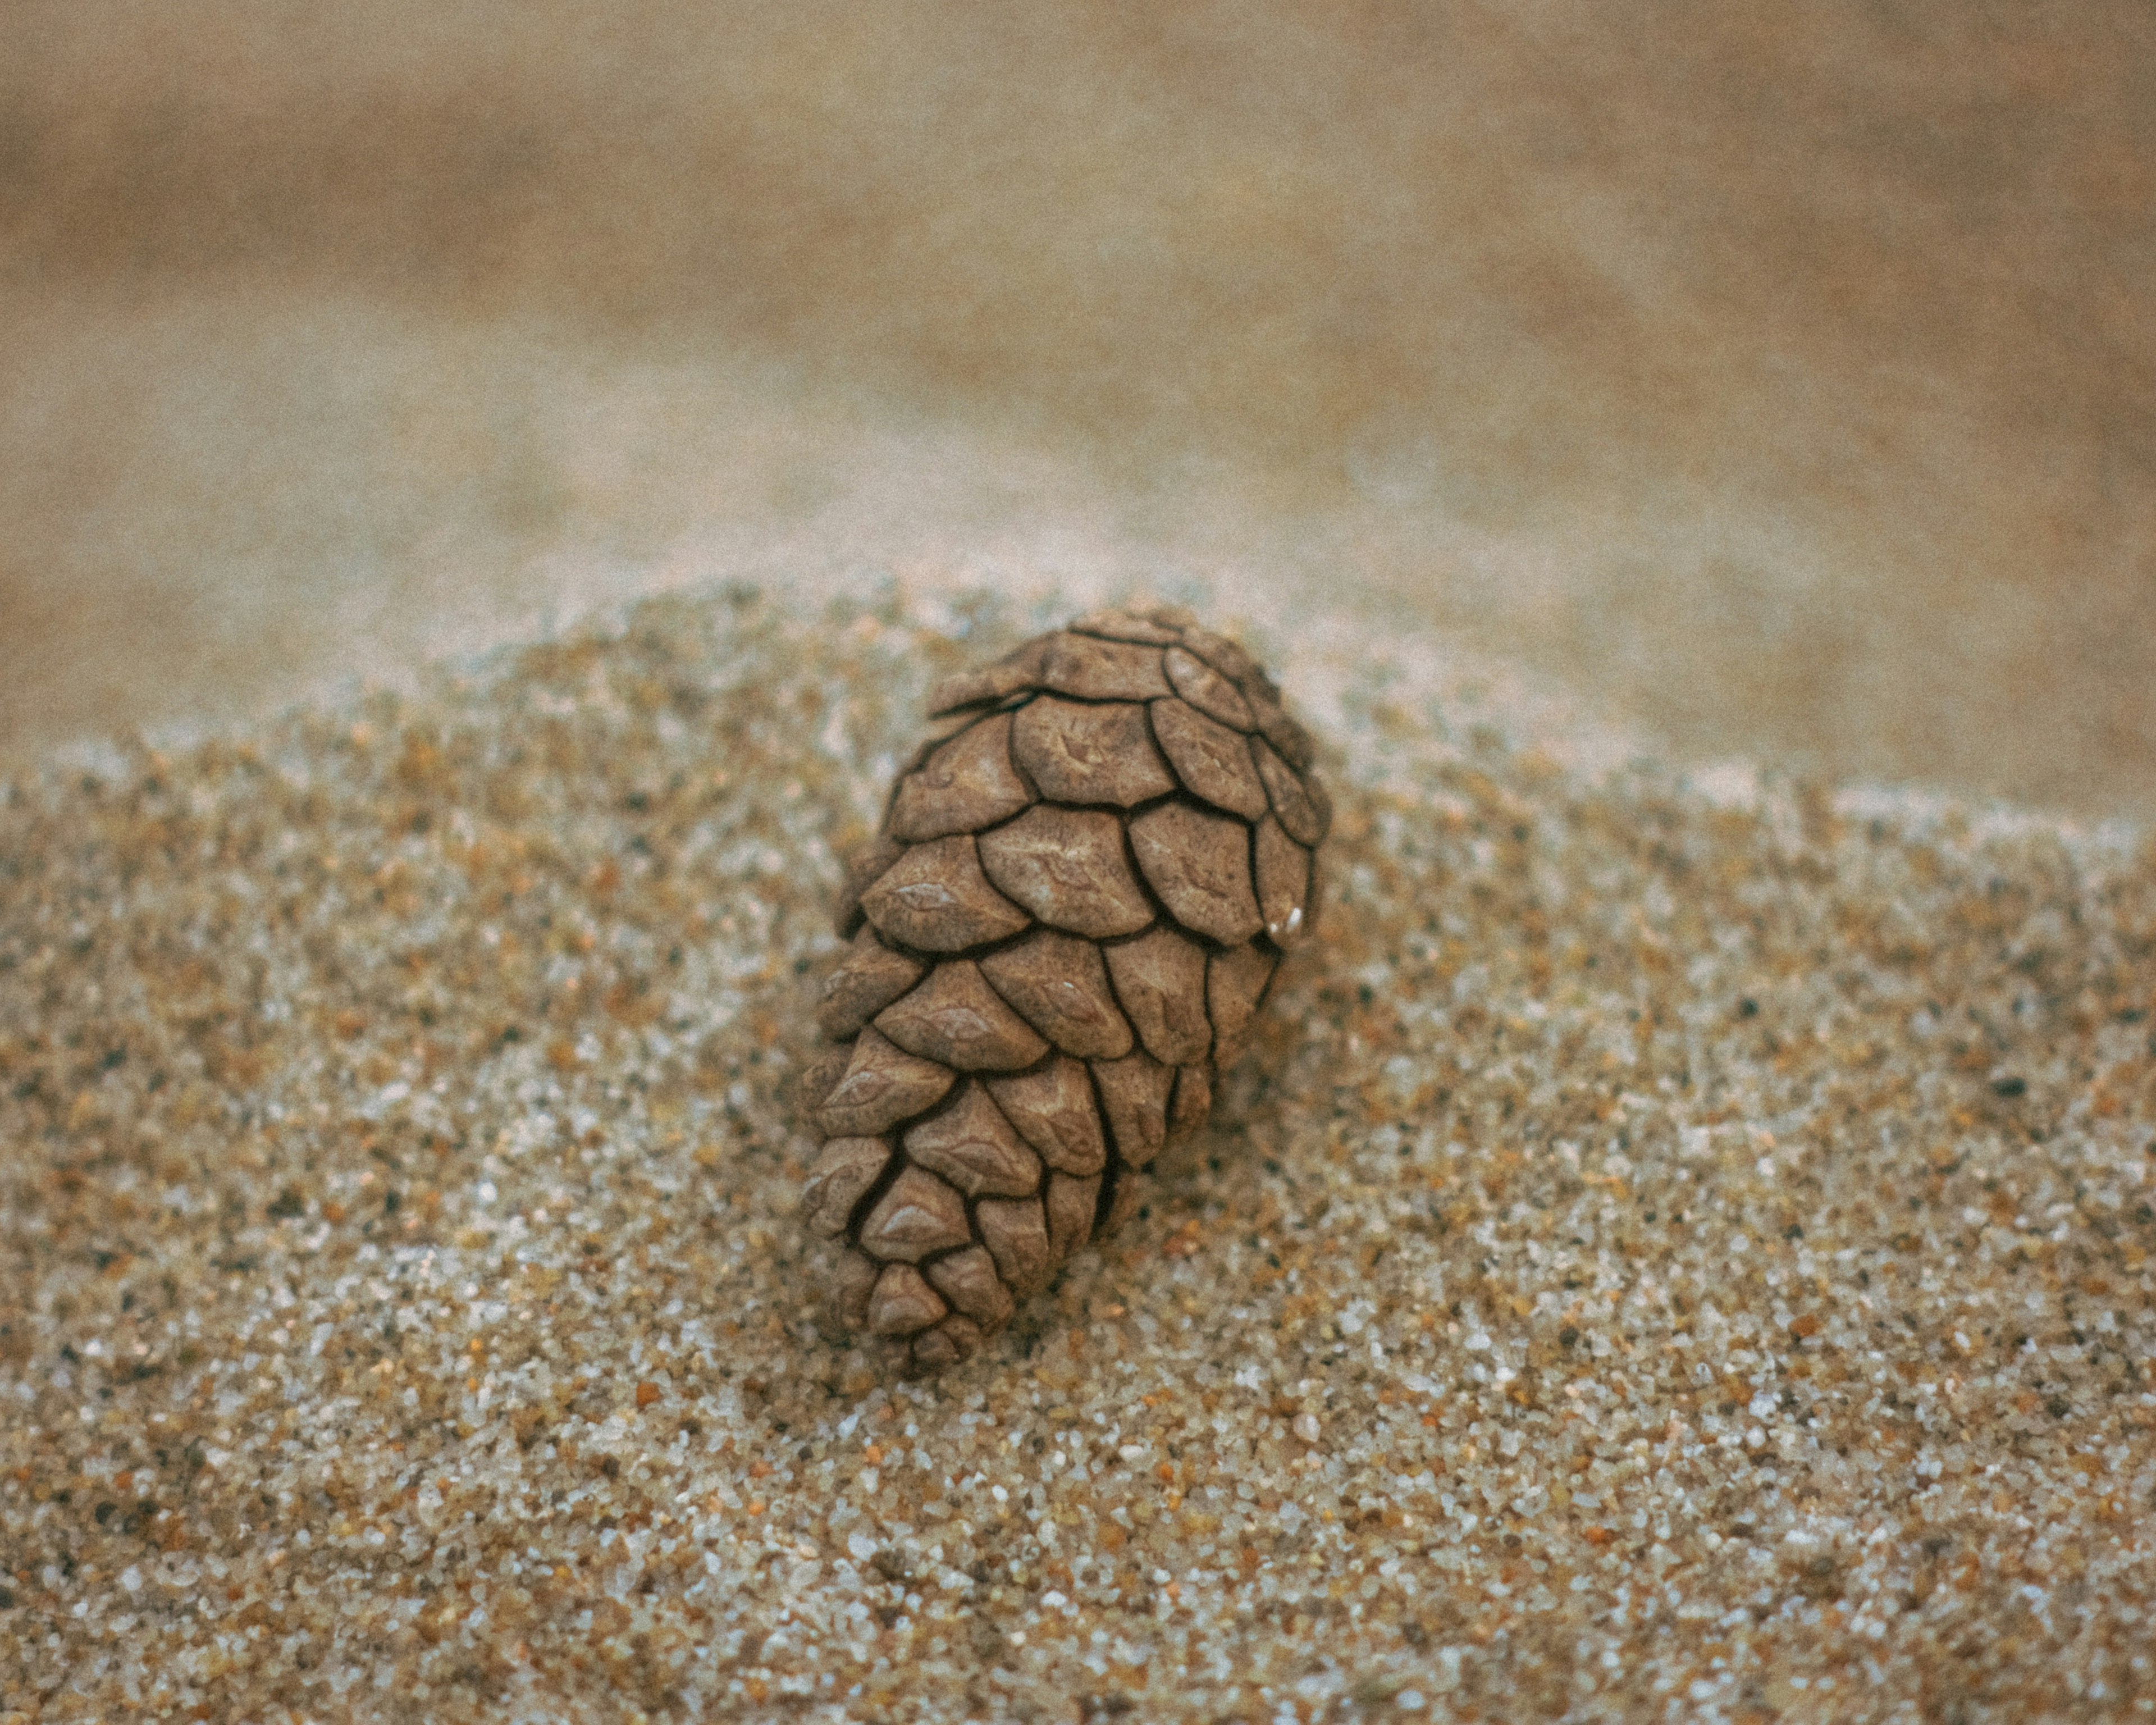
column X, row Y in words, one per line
column 1681, row 1248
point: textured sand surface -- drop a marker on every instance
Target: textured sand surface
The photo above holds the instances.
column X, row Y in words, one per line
column 1683, row 1250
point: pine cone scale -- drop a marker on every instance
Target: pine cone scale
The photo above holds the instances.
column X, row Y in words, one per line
column 1015, row 1232
column 1009, row 676
column 1096, row 670
column 872, row 977
column 1213, row 759
column 882, row 1085
column 1282, row 867
column 918, row 1215
column 1079, row 752
column 903, row 1302
column 973, row 1146
column 1198, row 864
column 1054, row 1110
column 968, row 1279
column 1160, row 978
column 957, row 1019
column 1134, row 1093
column 1115, row 624
column 1293, row 806
column 936, row 898
column 1067, row 867
column 1059, row 984
column 842, row 1177
column 1206, row 690
column 967, row 784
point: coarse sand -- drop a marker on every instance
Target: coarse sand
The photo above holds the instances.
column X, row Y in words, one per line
column 1681, row 1249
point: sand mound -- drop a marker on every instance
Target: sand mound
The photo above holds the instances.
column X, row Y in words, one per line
column 1681, row 1248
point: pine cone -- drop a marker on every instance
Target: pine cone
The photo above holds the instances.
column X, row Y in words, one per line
column 1084, row 882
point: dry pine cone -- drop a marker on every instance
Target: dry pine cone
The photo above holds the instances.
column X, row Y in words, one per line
column 1084, row 882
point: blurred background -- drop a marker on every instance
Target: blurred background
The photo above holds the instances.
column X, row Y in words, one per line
column 1781, row 380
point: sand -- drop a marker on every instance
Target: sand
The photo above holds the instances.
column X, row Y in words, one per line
column 1778, row 378
column 1681, row 1249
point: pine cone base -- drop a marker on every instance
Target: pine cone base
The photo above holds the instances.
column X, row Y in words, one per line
column 1084, row 884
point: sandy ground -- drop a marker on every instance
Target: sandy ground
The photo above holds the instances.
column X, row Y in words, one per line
column 1780, row 382
column 1683, row 1248
column 1680, row 1249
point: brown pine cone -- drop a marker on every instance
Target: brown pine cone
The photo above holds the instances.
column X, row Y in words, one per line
column 1084, row 882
